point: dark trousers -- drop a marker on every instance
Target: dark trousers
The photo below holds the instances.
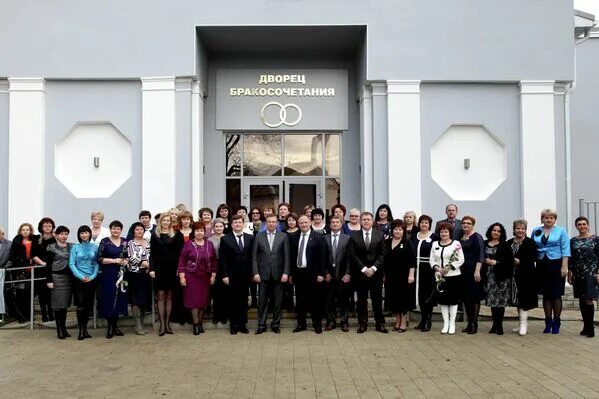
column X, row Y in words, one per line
column 84, row 295
column 219, row 301
column 270, row 292
column 237, row 301
column 374, row 286
column 310, row 296
column 338, row 297
column 43, row 293
column 22, row 304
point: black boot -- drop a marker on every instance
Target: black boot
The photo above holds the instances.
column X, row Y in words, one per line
column 116, row 329
column 110, row 329
column 420, row 325
column 493, row 329
column 590, row 322
column 468, row 328
column 63, row 323
column 591, row 317
column 85, row 322
column 80, row 322
column 201, row 328
column 500, row 314
column 196, row 329
column 59, row 330
column 585, row 321
column 429, row 321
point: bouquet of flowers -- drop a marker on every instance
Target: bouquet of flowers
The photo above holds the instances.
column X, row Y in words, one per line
column 439, row 283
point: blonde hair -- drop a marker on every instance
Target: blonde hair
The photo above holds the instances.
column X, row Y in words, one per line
column 548, row 212
column 182, row 208
column 355, row 210
column 411, row 213
column 159, row 231
column 97, row 214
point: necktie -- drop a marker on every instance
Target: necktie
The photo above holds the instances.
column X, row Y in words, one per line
column 270, row 240
column 367, row 240
column 335, row 243
column 240, row 241
column 300, row 253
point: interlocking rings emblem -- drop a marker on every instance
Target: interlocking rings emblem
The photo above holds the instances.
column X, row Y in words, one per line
column 282, row 114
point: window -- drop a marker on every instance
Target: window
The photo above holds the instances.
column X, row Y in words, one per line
column 256, row 155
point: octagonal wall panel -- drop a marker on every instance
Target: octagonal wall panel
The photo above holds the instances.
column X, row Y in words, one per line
column 468, row 162
column 93, row 160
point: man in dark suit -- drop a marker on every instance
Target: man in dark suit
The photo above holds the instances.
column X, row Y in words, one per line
column 308, row 274
column 451, row 211
column 270, row 267
column 367, row 254
column 4, row 249
column 235, row 260
column 338, row 275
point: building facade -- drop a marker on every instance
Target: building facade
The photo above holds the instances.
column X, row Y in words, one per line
column 122, row 106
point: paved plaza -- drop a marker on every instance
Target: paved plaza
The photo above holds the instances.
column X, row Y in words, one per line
column 305, row 365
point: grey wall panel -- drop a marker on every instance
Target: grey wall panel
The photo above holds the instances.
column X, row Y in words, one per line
column 214, row 139
column 428, row 40
column 584, row 122
column 76, row 101
column 497, row 108
column 3, row 153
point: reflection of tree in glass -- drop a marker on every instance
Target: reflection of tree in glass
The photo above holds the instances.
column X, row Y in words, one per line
column 233, row 154
column 262, row 155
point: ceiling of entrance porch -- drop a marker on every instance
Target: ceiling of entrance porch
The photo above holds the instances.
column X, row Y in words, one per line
column 341, row 40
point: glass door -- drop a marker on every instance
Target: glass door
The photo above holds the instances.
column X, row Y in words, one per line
column 258, row 193
column 302, row 192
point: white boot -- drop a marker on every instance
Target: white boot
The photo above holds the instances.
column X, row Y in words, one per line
column 523, row 322
column 517, row 329
column 453, row 311
column 445, row 314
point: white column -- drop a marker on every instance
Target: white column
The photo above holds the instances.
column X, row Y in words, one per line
column 366, row 151
column 403, row 129
column 197, row 147
column 380, row 143
column 26, row 160
column 537, row 130
column 158, row 143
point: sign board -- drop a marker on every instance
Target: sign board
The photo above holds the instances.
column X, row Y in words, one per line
column 282, row 99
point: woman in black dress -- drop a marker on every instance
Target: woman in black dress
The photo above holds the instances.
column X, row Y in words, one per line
column 525, row 254
column 425, row 278
column 474, row 255
column 46, row 237
column 165, row 247
column 400, row 269
column 24, row 253
column 499, row 262
column 583, row 274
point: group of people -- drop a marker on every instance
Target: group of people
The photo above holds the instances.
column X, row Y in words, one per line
column 305, row 263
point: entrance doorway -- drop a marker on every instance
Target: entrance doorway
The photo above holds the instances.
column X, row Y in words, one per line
column 298, row 168
column 268, row 191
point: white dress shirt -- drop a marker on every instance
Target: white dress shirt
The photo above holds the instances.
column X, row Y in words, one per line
column 304, row 262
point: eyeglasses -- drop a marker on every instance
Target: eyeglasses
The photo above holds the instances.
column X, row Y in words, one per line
column 255, row 213
column 354, row 216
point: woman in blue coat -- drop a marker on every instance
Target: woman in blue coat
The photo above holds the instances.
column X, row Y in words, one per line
column 553, row 250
